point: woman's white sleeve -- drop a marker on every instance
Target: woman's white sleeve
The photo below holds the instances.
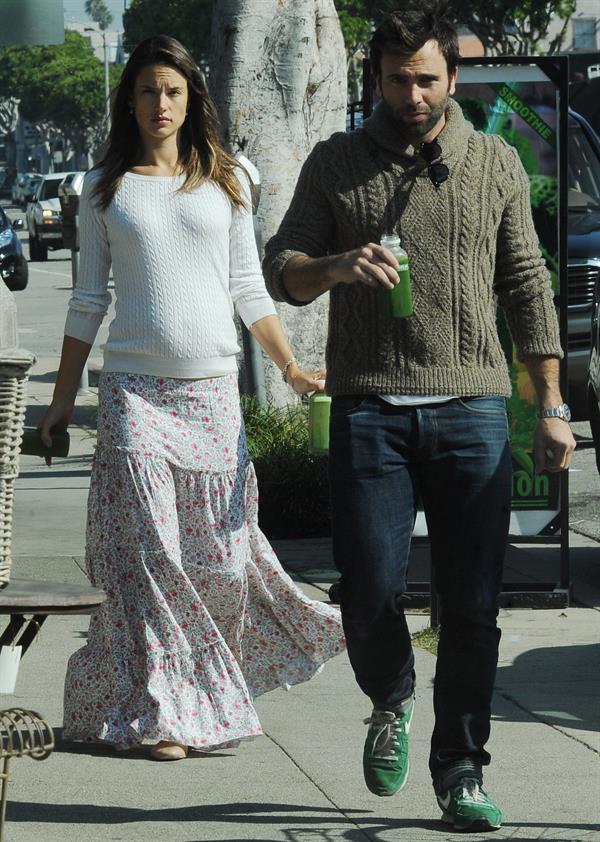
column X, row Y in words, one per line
column 246, row 282
column 90, row 299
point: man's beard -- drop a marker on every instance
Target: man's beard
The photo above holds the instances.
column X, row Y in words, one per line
column 415, row 131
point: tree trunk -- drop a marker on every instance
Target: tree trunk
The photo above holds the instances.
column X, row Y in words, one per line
column 278, row 75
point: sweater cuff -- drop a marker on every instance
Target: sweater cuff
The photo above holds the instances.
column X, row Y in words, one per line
column 533, row 323
column 530, row 341
column 540, row 349
column 252, row 310
column 83, row 325
column 274, row 274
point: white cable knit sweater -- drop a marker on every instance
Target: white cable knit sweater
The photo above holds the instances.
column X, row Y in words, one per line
column 181, row 262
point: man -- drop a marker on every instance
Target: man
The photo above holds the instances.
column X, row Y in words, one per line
column 418, row 403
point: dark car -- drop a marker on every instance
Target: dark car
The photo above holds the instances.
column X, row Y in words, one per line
column 6, row 183
column 13, row 266
column 583, row 252
column 594, row 371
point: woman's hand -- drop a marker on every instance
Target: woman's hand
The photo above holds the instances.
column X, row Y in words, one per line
column 306, row 381
column 57, row 417
column 269, row 333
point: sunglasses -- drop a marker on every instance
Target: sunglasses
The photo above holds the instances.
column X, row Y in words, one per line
column 437, row 172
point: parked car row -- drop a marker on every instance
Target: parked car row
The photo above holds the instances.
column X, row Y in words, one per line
column 44, row 222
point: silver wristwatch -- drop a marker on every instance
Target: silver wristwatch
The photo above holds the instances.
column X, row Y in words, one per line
column 561, row 411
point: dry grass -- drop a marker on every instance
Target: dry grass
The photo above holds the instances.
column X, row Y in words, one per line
column 427, row 639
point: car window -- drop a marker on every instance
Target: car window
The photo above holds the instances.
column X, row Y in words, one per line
column 583, row 171
column 50, row 189
column 4, row 223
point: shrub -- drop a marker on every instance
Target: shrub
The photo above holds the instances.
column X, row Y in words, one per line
column 293, row 485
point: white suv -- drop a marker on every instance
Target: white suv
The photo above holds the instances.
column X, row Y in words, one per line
column 44, row 222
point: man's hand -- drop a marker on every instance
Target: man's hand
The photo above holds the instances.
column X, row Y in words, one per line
column 372, row 265
column 306, row 278
column 553, row 445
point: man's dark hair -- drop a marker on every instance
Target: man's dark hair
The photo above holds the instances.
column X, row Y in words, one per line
column 404, row 31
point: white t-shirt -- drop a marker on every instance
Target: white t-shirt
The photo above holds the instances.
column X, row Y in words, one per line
column 416, row 400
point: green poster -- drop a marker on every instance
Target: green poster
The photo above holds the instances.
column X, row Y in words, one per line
column 523, row 111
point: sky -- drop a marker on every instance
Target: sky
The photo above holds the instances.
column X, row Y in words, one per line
column 75, row 11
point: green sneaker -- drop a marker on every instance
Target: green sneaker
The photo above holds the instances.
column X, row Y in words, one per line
column 385, row 756
column 467, row 807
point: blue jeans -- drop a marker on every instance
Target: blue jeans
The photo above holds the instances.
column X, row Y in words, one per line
column 455, row 456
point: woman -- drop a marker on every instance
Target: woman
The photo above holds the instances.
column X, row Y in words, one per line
column 200, row 618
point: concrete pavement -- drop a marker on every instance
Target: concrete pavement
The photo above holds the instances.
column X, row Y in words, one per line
column 302, row 781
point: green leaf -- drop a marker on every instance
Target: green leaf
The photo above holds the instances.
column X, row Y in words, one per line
column 524, row 460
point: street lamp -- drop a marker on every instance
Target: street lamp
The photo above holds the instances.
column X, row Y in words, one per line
column 106, row 85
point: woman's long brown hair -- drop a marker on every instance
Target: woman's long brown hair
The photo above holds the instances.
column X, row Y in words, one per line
column 201, row 154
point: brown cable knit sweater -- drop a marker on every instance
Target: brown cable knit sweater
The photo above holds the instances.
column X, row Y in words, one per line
column 468, row 241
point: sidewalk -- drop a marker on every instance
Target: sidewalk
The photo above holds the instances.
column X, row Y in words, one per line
column 302, row 781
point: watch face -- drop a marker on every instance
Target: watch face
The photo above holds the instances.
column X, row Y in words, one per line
column 566, row 412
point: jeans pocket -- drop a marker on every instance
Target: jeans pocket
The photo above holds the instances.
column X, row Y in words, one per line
column 483, row 404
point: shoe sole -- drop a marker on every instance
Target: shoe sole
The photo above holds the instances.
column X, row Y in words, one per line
column 166, row 756
column 477, row 825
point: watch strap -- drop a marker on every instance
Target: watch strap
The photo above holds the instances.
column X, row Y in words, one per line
column 563, row 412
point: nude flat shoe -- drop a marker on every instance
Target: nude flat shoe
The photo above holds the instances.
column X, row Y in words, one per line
column 165, row 750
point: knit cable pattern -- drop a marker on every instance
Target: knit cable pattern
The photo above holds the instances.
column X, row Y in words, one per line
column 471, row 243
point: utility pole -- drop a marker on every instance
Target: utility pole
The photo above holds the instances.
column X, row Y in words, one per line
column 106, row 83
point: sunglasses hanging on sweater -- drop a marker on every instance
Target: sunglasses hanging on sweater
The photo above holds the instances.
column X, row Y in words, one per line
column 437, row 172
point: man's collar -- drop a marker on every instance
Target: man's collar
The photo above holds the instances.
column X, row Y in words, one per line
column 384, row 133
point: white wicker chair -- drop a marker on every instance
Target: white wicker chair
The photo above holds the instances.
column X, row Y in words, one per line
column 23, row 733
column 14, row 370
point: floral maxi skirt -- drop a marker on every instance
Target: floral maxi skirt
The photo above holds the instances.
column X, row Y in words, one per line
column 200, row 617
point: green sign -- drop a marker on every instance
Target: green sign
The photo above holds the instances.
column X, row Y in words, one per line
column 531, row 490
column 524, row 113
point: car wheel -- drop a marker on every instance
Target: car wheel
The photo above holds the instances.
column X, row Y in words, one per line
column 595, row 424
column 16, row 279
